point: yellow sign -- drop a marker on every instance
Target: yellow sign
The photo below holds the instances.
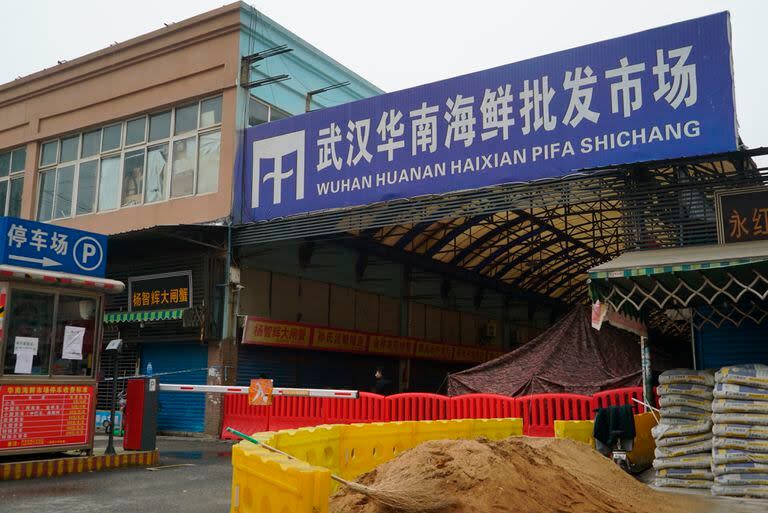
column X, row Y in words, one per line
column 260, row 392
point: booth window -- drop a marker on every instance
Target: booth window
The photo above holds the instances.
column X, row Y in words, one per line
column 12, row 165
column 138, row 161
column 46, row 323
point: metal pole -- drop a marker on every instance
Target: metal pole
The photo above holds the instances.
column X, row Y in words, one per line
column 646, row 365
column 111, row 440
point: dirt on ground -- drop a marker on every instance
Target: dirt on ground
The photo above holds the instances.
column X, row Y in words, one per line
column 519, row 474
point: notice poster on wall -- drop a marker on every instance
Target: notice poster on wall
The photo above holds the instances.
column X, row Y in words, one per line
column 73, row 343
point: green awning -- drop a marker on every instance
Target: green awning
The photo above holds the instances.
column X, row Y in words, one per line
column 146, row 316
column 682, row 277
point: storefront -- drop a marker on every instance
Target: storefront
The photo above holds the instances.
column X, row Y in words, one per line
column 50, row 336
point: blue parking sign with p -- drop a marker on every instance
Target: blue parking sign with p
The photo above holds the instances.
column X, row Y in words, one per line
column 52, row 248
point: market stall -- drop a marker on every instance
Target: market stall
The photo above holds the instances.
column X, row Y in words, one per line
column 50, row 335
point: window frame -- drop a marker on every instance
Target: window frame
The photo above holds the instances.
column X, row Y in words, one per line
column 12, row 176
column 121, row 152
column 12, row 286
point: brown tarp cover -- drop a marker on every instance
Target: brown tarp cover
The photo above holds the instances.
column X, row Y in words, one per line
column 570, row 357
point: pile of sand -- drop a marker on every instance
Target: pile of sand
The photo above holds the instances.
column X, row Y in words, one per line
column 520, row 475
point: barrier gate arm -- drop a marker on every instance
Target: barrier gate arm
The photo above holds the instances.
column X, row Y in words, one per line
column 277, row 391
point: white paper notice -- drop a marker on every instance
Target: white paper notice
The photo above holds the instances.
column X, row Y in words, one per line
column 73, row 343
column 114, row 344
column 25, row 344
column 24, row 361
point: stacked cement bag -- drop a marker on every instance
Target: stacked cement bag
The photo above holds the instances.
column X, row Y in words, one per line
column 740, row 428
column 684, row 433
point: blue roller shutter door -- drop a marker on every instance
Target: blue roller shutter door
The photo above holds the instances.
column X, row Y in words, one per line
column 731, row 345
column 179, row 411
column 276, row 363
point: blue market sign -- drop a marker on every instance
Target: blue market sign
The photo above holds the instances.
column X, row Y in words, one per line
column 52, row 248
column 659, row 94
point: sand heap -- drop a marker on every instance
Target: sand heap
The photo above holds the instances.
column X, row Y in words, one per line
column 519, row 474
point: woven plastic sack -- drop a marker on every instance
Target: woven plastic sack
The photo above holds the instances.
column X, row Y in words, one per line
column 750, row 419
column 740, row 431
column 701, row 460
column 743, row 479
column 687, row 376
column 685, row 412
column 742, row 392
column 755, row 375
column 700, row 391
column 664, row 430
column 738, row 406
column 683, row 450
column 726, row 456
column 760, row 492
column 742, row 444
column 686, row 473
column 662, row 482
column 685, row 400
column 682, row 440
column 740, row 468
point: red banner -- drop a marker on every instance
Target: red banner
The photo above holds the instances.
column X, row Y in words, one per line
column 45, row 415
column 271, row 333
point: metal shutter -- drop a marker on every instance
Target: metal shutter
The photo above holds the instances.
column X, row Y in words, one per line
column 179, row 411
column 276, row 363
column 431, row 376
column 730, row 345
column 127, row 365
column 325, row 369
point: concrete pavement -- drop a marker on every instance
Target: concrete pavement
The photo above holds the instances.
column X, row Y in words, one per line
column 194, row 476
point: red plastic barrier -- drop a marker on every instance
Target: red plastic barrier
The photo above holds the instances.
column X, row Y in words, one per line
column 294, row 412
column 539, row 412
column 482, row 406
column 417, row 406
column 619, row 397
column 366, row 408
column 239, row 415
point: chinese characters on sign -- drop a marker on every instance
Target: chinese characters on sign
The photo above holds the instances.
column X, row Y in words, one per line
column 160, row 291
column 45, row 415
column 659, row 94
column 742, row 215
column 274, row 333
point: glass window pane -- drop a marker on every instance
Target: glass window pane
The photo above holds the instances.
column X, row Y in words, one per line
column 31, row 319
column 183, row 174
column 48, row 153
column 5, row 163
column 258, row 113
column 109, row 183
column 86, row 187
column 133, row 178
column 186, row 119
column 210, row 112
column 73, row 340
column 62, row 202
column 91, row 143
column 3, row 195
column 110, row 139
column 45, row 201
column 208, row 163
column 14, row 205
column 69, row 149
column 134, row 131
column 157, row 164
column 160, row 126
column 18, row 160
column 276, row 114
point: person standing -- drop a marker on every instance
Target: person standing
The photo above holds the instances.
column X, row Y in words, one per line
column 382, row 385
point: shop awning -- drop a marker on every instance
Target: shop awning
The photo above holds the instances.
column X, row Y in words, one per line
column 146, row 316
column 675, row 278
column 12, row 272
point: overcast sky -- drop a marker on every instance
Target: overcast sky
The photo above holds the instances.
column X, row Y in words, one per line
column 400, row 43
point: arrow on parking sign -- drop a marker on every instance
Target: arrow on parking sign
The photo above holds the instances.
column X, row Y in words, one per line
column 45, row 261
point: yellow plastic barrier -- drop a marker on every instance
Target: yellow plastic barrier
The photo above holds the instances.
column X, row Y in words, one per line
column 265, row 482
column 579, row 430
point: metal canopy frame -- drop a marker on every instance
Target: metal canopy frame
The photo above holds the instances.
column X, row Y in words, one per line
column 536, row 240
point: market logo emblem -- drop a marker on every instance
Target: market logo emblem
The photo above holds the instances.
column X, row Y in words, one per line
column 278, row 159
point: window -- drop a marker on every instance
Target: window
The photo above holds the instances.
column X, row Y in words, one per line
column 12, row 165
column 57, row 331
column 146, row 159
column 260, row 112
